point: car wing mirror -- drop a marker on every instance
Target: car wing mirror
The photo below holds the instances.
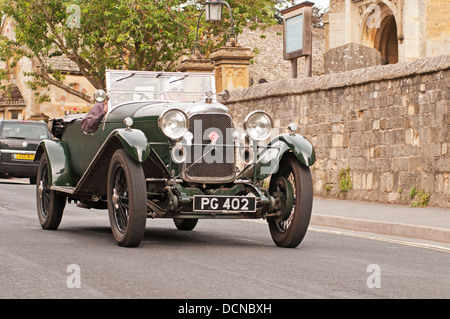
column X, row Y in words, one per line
column 225, row 95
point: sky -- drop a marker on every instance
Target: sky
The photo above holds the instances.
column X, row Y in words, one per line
column 321, row 3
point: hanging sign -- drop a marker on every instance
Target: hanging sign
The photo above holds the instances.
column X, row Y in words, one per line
column 297, row 38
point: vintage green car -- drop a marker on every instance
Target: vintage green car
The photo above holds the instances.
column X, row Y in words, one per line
column 166, row 148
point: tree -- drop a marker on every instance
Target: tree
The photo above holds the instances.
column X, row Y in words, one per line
column 317, row 13
column 131, row 34
column 317, row 17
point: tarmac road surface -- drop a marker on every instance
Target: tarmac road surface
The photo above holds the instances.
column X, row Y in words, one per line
column 218, row 259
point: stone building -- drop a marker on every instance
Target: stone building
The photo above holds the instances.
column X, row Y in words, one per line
column 268, row 62
column 12, row 104
column 401, row 30
column 20, row 102
column 265, row 53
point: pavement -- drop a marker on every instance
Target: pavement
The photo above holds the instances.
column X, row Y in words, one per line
column 427, row 223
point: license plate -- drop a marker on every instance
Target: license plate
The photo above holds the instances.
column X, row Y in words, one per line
column 28, row 157
column 231, row 204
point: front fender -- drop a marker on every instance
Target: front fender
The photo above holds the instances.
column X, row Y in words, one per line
column 269, row 159
column 300, row 146
column 58, row 163
column 134, row 142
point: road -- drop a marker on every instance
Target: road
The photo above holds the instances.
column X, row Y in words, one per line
column 218, row 259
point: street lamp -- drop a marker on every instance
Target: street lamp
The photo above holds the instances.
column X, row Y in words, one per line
column 213, row 9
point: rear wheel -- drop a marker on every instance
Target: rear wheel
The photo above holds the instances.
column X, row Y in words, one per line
column 127, row 199
column 50, row 205
column 290, row 229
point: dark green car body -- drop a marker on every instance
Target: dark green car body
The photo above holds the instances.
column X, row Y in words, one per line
column 78, row 164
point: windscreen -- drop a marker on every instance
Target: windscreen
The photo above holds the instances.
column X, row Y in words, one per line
column 128, row 86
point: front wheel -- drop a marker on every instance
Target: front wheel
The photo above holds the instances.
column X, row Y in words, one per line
column 127, row 199
column 185, row 224
column 50, row 205
column 289, row 230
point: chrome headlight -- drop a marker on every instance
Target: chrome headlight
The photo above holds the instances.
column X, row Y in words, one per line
column 258, row 125
column 100, row 96
column 174, row 123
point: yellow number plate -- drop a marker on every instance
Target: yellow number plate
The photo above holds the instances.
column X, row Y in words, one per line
column 28, row 157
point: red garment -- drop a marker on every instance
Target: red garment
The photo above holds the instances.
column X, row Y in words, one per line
column 90, row 123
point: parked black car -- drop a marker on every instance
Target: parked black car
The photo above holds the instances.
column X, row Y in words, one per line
column 18, row 143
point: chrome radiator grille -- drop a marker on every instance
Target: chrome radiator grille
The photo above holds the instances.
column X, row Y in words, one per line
column 211, row 157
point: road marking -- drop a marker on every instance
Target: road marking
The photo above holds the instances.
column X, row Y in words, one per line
column 360, row 235
column 388, row 240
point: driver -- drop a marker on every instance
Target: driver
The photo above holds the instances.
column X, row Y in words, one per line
column 91, row 122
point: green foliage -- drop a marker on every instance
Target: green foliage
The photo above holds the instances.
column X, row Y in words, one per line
column 327, row 187
column 345, row 182
column 412, row 192
column 111, row 34
column 422, row 198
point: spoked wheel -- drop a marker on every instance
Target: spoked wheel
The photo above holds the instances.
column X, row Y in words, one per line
column 292, row 180
column 127, row 198
column 185, row 224
column 50, row 205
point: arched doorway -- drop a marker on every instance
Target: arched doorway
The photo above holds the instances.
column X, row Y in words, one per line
column 380, row 31
column 386, row 40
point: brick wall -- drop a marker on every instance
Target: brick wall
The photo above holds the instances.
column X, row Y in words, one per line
column 388, row 124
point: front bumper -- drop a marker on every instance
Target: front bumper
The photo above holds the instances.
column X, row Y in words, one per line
column 181, row 201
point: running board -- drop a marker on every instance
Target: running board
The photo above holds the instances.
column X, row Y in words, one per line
column 63, row 189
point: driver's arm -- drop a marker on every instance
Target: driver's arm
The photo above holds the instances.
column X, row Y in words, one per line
column 90, row 123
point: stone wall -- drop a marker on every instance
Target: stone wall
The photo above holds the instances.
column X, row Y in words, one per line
column 388, row 124
column 350, row 56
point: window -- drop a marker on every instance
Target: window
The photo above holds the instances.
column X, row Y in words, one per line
column 16, row 115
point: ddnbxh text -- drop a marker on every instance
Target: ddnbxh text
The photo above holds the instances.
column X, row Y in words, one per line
column 250, row 308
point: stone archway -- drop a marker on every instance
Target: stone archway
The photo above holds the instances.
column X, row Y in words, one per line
column 386, row 40
column 380, row 31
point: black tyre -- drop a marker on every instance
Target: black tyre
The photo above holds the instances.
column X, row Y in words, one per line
column 50, row 205
column 290, row 230
column 185, row 224
column 127, row 199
